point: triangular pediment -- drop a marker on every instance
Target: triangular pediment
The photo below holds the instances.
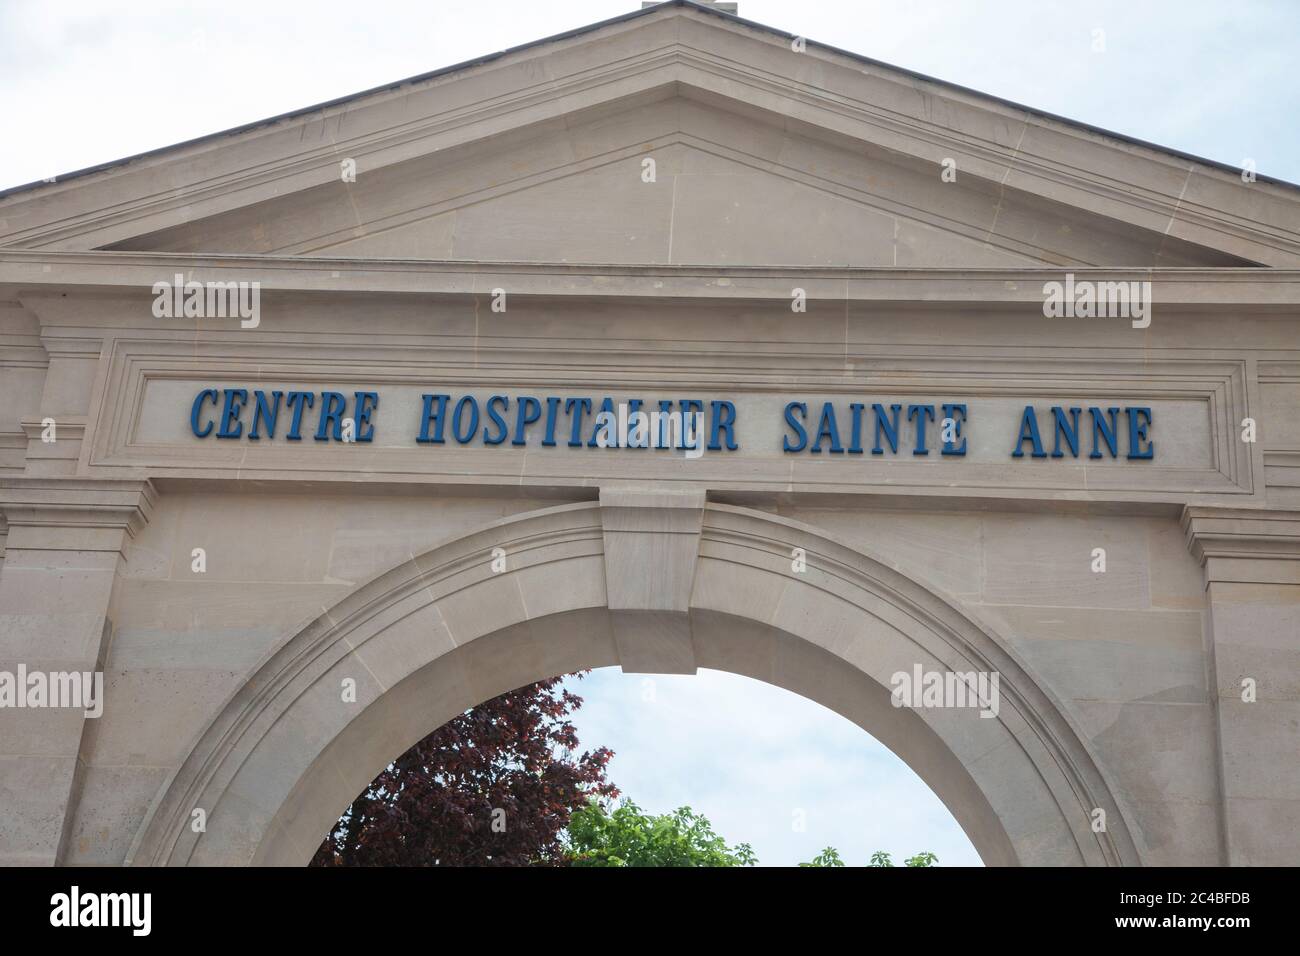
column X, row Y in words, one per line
column 673, row 136
column 676, row 181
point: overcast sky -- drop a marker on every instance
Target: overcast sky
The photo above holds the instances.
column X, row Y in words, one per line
column 767, row 767
column 87, row 81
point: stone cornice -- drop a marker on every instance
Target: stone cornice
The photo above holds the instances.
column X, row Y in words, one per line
column 46, row 273
column 1247, row 547
column 69, row 426
column 77, row 503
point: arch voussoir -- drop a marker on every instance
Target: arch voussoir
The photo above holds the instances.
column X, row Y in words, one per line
column 544, row 593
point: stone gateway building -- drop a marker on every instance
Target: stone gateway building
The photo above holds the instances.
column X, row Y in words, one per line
column 672, row 342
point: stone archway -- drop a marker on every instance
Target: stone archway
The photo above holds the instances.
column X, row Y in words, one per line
column 655, row 582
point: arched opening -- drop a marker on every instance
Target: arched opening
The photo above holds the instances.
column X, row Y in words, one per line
column 766, row 767
column 739, row 771
column 446, row 631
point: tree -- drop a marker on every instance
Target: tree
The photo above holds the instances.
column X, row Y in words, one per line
column 924, row 858
column 827, row 857
column 629, row 837
column 495, row 786
column 831, row 857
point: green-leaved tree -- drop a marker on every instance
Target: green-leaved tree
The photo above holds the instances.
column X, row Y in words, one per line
column 831, row 857
column 627, row 836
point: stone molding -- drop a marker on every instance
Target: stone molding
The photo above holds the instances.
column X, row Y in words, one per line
column 136, row 364
column 1245, row 547
column 71, row 427
column 553, row 602
column 45, row 273
column 81, row 503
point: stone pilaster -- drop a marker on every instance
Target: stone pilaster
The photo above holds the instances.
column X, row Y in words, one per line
column 66, row 391
column 64, row 551
column 1252, row 573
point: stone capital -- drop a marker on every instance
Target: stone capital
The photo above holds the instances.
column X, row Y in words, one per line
column 75, row 513
column 1244, row 547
